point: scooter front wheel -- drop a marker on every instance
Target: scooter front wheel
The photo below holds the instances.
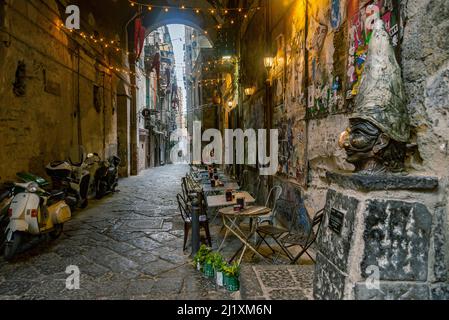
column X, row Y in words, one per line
column 12, row 247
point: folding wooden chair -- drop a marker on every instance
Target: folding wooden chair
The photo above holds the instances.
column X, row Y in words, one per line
column 287, row 238
column 304, row 240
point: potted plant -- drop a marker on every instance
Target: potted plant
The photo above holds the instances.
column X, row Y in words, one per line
column 231, row 277
column 208, row 266
column 218, row 264
column 201, row 257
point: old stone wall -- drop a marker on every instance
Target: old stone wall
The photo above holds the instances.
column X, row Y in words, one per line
column 49, row 77
column 319, row 54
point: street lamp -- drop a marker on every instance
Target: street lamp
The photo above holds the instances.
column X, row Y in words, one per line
column 249, row 91
column 268, row 62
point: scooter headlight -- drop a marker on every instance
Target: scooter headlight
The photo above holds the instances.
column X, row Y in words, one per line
column 33, row 187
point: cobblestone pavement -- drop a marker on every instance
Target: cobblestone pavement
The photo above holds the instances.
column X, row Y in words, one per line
column 276, row 282
column 127, row 246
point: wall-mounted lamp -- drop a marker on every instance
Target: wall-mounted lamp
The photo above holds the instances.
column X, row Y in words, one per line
column 268, row 62
column 250, row 91
column 230, row 104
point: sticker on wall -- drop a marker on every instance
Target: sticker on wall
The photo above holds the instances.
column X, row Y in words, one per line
column 360, row 31
column 316, row 36
column 335, row 14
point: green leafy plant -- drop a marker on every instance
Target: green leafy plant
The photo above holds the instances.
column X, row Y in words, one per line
column 202, row 255
column 232, row 270
column 218, row 262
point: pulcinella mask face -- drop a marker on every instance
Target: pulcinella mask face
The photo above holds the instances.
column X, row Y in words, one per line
column 359, row 140
column 370, row 150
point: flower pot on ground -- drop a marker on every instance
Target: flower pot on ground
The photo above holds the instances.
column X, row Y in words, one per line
column 208, row 270
column 232, row 284
column 231, row 277
column 208, row 267
column 219, row 278
column 201, row 257
column 218, row 264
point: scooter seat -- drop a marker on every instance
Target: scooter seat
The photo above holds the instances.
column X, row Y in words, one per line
column 56, row 164
column 55, row 196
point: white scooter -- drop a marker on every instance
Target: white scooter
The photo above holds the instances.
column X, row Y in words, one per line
column 73, row 178
column 35, row 212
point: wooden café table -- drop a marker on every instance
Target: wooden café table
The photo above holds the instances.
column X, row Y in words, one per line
column 207, row 188
column 220, row 200
column 230, row 218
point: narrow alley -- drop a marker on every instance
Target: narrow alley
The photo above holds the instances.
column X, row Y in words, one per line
column 128, row 246
column 228, row 150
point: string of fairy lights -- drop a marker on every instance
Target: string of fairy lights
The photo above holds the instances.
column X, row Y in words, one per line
column 97, row 40
column 233, row 13
column 114, row 46
column 197, row 10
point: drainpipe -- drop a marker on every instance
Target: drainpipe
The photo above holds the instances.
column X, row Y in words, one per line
column 133, row 120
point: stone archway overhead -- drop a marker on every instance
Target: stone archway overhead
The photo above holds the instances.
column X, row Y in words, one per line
column 202, row 21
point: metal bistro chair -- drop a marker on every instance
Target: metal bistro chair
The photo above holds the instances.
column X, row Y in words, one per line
column 273, row 196
column 190, row 188
column 287, row 238
column 185, row 210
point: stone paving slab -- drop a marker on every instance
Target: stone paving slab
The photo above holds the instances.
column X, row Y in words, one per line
column 127, row 246
column 277, row 282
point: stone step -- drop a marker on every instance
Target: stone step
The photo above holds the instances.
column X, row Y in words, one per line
column 276, row 282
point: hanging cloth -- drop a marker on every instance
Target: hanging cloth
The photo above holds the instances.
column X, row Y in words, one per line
column 139, row 37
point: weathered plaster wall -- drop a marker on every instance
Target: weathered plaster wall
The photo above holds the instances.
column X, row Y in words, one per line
column 41, row 125
column 142, row 145
column 310, row 107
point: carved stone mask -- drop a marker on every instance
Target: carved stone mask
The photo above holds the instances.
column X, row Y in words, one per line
column 370, row 150
column 379, row 129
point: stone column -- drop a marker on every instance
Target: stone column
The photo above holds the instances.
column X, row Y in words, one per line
column 382, row 237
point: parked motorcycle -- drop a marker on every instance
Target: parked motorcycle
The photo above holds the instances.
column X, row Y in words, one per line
column 6, row 195
column 34, row 211
column 72, row 178
column 106, row 177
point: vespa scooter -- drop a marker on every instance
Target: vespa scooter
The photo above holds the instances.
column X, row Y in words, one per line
column 72, row 178
column 34, row 212
column 106, row 177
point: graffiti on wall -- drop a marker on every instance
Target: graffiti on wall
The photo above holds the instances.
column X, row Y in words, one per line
column 290, row 97
column 360, row 31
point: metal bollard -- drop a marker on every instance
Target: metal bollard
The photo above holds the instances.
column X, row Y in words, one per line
column 196, row 211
